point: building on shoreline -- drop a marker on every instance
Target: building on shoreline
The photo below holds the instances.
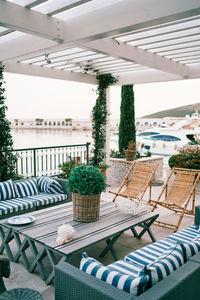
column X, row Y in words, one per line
column 85, row 124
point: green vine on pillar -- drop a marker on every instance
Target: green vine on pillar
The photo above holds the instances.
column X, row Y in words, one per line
column 7, row 158
column 99, row 114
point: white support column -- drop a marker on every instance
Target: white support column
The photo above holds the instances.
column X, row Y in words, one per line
column 107, row 148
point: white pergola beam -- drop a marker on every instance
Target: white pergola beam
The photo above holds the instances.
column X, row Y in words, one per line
column 19, row 18
column 146, row 76
column 143, row 76
column 28, row 69
column 121, row 17
column 128, row 15
column 138, row 56
column 22, row 45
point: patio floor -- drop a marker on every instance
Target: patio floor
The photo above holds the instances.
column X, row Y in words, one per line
column 126, row 243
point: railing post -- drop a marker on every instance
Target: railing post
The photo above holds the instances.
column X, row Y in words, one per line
column 87, row 152
column 34, row 163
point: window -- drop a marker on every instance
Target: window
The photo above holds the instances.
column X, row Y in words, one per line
column 147, row 133
column 166, row 138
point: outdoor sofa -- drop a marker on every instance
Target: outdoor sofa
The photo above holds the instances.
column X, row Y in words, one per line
column 171, row 267
column 30, row 194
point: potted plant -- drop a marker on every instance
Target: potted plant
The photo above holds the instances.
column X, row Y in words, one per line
column 66, row 168
column 130, row 152
column 86, row 184
column 103, row 168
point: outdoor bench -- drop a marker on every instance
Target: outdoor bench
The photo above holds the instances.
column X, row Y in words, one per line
column 30, row 194
column 171, row 268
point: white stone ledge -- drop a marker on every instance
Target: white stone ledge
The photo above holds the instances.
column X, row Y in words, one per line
column 119, row 168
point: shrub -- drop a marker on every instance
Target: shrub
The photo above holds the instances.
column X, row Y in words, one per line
column 8, row 160
column 188, row 157
column 131, row 145
column 86, row 180
column 67, row 168
column 116, row 154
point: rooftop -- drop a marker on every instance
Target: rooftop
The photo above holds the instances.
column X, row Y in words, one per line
column 126, row 243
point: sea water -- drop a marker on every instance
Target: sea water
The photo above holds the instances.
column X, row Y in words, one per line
column 33, row 138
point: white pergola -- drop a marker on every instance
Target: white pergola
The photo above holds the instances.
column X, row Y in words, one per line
column 138, row 41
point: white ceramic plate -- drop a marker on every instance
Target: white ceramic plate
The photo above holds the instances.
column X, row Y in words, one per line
column 21, row 220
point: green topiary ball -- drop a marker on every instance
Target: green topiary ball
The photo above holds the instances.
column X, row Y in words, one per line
column 86, row 180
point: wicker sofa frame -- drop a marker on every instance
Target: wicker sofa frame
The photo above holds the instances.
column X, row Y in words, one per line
column 72, row 283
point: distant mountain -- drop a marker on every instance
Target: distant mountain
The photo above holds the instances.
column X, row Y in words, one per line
column 177, row 112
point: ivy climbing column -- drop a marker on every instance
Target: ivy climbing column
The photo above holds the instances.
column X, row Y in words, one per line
column 99, row 118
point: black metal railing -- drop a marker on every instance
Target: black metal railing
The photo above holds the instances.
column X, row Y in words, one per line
column 45, row 160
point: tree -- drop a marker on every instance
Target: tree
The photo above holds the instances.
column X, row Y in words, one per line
column 127, row 130
column 7, row 158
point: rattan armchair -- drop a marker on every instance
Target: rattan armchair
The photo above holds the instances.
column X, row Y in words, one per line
column 18, row 293
column 136, row 182
column 178, row 195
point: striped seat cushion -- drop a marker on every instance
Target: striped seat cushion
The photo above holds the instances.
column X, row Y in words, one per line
column 7, row 190
column 26, row 188
column 127, row 267
column 185, row 235
column 171, row 260
column 132, row 284
column 43, row 199
column 149, row 253
column 15, row 205
column 190, row 248
column 49, row 185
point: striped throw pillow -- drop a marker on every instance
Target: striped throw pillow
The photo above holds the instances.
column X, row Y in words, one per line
column 49, row 185
column 171, row 260
column 190, row 249
column 26, row 188
column 132, row 284
column 7, row 190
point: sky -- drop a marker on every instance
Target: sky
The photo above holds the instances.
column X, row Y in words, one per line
column 32, row 97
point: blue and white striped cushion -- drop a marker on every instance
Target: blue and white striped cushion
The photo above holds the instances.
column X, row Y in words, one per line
column 7, row 190
column 149, row 253
column 127, row 267
column 131, row 284
column 185, row 235
column 171, row 260
column 43, row 199
column 26, row 188
column 49, row 185
column 15, row 205
column 190, row 249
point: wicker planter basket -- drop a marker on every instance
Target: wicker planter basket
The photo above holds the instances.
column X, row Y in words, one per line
column 86, row 207
column 130, row 154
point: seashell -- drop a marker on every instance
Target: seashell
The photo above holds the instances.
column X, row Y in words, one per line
column 65, row 233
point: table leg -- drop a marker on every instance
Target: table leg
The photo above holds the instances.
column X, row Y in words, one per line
column 6, row 237
column 146, row 228
column 109, row 247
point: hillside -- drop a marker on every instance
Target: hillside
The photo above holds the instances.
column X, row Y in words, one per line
column 181, row 111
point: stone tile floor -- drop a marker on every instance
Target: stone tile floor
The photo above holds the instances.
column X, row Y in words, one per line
column 126, row 243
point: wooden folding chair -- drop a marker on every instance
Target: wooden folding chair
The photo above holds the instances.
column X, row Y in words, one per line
column 177, row 197
column 137, row 180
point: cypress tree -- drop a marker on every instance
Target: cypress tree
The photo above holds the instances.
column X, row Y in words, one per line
column 7, row 158
column 127, row 117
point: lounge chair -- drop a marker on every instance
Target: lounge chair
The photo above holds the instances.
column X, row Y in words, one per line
column 136, row 182
column 178, row 196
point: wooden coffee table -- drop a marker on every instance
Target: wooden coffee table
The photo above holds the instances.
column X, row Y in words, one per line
column 40, row 236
